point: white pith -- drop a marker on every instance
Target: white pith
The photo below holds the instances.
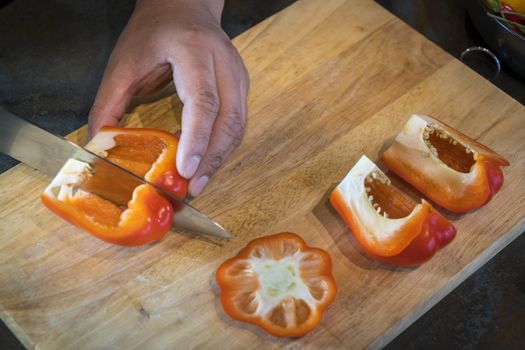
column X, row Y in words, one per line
column 71, row 174
column 354, row 193
column 74, row 171
column 102, row 141
column 276, row 275
column 411, row 145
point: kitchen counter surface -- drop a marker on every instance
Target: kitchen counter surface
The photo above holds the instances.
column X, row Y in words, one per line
column 52, row 56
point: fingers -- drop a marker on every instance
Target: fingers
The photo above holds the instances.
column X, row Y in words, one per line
column 229, row 126
column 194, row 77
column 113, row 96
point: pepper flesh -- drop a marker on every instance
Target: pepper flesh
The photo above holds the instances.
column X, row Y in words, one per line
column 389, row 226
column 114, row 210
column 148, row 153
column 448, row 167
column 278, row 283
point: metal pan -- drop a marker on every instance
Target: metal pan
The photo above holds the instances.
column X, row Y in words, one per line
column 507, row 44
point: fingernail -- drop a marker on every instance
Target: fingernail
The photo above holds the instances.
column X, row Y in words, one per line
column 191, row 166
column 198, row 186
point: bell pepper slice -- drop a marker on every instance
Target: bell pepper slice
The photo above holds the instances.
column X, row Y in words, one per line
column 389, row 226
column 147, row 217
column 278, row 283
column 448, row 167
column 107, row 207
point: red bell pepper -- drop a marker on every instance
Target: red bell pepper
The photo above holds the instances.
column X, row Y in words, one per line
column 132, row 215
column 448, row 167
column 389, row 226
column 279, row 284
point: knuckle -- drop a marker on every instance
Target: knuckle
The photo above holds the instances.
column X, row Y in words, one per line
column 208, row 101
column 216, row 160
column 201, row 136
column 95, row 111
column 233, row 127
column 196, row 35
column 230, row 50
column 98, row 112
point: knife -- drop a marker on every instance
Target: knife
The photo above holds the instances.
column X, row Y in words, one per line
column 48, row 153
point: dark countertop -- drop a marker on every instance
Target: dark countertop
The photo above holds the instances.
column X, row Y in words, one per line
column 52, row 55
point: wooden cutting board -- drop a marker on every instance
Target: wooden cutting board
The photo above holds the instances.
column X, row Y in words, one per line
column 331, row 80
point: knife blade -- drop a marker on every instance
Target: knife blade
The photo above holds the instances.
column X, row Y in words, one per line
column 47, row 153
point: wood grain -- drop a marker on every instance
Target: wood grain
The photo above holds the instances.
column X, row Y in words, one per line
column 331, row 80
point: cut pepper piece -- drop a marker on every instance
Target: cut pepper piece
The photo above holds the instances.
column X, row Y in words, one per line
column 448, row 167
column 147, row 217
column 389, row 226
column 108, row 207
column 278, row 283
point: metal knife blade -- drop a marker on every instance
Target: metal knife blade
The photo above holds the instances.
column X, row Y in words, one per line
column 46, row 152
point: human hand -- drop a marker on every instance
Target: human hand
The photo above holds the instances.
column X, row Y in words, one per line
column 180, row 40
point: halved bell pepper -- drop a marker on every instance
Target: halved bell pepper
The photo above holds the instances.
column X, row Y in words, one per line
column 448, row 167
column 389, row 226
column 108, row 207
column 278, row 283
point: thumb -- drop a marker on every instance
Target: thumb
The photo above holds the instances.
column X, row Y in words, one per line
column 113, row 97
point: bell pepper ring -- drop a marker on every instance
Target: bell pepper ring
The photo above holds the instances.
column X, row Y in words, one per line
column 451, row 169
column 389, row 226
column 278, row 283
column 132, row 215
